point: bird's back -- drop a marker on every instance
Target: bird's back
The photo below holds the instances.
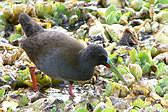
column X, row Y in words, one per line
column 53, row 51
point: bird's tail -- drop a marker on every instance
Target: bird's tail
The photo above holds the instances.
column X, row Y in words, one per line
column 29, row 26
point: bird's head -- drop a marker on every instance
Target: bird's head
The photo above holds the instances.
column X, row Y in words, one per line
column 97, row 55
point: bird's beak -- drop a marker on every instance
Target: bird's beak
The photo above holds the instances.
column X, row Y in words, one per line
column 110, row 65
column 107, row 63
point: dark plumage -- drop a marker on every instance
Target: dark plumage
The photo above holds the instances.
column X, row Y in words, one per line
column 58, row 54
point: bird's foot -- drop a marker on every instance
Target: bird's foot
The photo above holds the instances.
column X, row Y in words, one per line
column 33, row 77
column 70, row 90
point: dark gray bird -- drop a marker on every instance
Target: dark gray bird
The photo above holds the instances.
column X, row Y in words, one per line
column 59, row 55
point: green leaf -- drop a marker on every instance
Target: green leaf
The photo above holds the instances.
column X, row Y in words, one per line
column 99, row 107
column 82, row 110
column 9, row 109
column 111, row 19
column 133, row 55
column 120, row 59
column 159, row 90
column 136, row 71
column 145, row 56
column 44, row 10
column 161, row 69
column 14, row 37
column 2, row 19
column 139, row 103
column 23, row 75
column 163, row 1
column 154, row 51
column 108, row 89
column 136, row 4
column 2, row 92
column 123, row 69
column 112, row 56
column 44, row 80
column 23, row 101
column 158, row 106
column 54, row 109
column 163, row 110
column 161, row 86
column 109, row 109
column 111, row 8
column 146, row 68
column 112, row 15
column 108, row 102
column 166, row 96
column 24, row 72
column 146, row 4
column 134, row 110
column 60, row 8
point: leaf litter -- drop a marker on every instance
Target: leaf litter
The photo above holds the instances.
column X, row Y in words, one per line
column 134, row 32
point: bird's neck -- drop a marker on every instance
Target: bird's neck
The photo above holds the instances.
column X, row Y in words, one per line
column 86, row 64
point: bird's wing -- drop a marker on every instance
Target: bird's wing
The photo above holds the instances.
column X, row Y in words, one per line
column 64, row 45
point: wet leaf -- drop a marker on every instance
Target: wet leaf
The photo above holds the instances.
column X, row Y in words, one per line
column 110, row 9
column 136, row 4
column 123, row 69
column 145, row 56
column 161, row 69
column 133, row 55
column 43, row 9
column 14, row 37
column 108, row 102
column 139, row 103
column 82, row 110
column 163, row 1
column 112, row 18
column 114, row 32
column 154, row 51
column 2, row 92
column 73, row 20
column 101, row 106
column 23, row 74
column 109, row 109
column 7, row 12
column 136, row 71
column 23, row 101
column 120, row 60
column 116, row 89
column 159, row 90
column 124, row 18
column 44, row 80
column 161, row 85
column 161, row 17
column 108, row 89
column 146, row 68
column 140, row 89
column 140, row 26
column 112, row 15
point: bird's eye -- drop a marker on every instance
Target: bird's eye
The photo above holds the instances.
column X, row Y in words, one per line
column 102, row 56
column 102, row 59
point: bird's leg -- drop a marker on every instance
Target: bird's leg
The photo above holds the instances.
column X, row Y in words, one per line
column 95, row 75
column 70, row 90
column 33, row 77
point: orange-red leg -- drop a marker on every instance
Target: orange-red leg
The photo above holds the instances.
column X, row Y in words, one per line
column 33, row 77
column 70, row 91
